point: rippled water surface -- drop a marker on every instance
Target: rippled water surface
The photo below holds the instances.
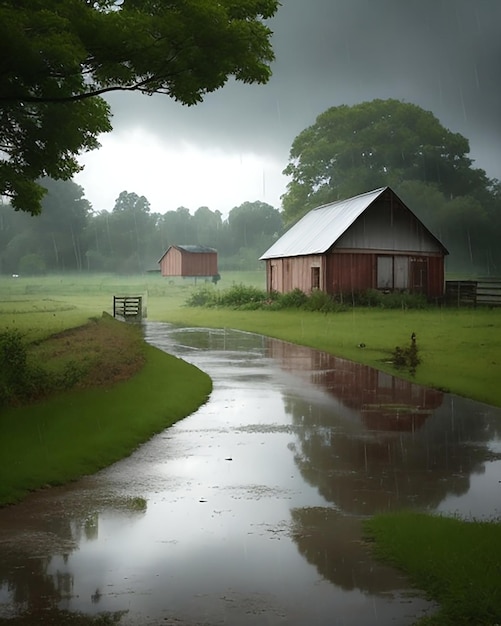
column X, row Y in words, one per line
column 249, row 511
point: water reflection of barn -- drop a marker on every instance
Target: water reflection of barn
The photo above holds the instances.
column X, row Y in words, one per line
column 382, row 401
column 376, row 443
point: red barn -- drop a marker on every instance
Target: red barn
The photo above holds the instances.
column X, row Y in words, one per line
column 196, row 261
column 371, row 241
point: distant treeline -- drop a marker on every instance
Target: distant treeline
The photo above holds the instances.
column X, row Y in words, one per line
column 70, row 236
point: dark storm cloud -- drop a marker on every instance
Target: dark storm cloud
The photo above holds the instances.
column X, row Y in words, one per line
column 444, row 55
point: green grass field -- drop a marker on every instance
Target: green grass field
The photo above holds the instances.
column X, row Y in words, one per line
column 460, row 349
column 456, row 562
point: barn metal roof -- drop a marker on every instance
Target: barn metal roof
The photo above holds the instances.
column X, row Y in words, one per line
column 319, row 229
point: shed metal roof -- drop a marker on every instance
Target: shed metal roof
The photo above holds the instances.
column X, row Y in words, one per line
column 319, row 229
column 196, row 249
column 192, row 249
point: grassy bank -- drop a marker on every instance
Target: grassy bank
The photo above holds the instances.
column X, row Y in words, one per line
column 457, row 563
column 459, row 348
column 127, row 392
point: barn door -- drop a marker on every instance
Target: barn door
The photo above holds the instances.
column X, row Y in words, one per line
column 419, row 275
column 401, row 272
column 315, row 278
column 385, row 272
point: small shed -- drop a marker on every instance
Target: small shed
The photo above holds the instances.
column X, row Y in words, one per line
column 189, row 261
column 370, row 241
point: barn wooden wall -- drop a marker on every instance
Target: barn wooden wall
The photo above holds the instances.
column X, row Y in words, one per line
column 347, row 272
column 284, row 275
column 350, row 272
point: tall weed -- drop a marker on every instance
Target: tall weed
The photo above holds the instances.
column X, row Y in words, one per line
column 247, row 297
column 390, row 300
column 19, row 379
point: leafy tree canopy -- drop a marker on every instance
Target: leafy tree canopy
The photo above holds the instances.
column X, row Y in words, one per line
column 131, row 202
column 57, row 57
column 350, row 150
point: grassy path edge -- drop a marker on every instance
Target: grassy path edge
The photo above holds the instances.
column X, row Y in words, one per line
column 456, row 563
column 106, row 424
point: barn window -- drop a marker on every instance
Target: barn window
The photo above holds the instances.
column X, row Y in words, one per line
column 419, row 274
column 315, row 278
column 392, row 272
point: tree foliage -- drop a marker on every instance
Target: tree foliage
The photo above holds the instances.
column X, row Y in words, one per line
column 53, row 239
column 350, row 150
column 129, row 238
column 58, row 57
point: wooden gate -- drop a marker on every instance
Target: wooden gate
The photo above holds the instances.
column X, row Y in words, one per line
column 128, row 307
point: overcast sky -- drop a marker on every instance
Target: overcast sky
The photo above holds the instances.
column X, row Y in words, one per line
column 443, row 55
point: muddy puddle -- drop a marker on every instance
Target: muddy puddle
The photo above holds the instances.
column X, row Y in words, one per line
column 249, row 511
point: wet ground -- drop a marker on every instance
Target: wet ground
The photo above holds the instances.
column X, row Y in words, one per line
column 249, row 511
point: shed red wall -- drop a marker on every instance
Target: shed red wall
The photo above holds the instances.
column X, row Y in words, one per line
column 177, row 262
column 170, row 263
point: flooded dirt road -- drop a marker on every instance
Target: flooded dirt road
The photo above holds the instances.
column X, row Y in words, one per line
column 249, row 511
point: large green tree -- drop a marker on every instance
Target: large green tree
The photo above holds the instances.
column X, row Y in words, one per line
column 353, row 149
column 55, row 237
column 58, row 57
column 252, row 227
column 131, row 225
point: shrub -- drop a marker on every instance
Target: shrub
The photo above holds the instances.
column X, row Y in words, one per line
column 19, row 380
column 323, row 302
column 407, row 357
column 205, row 296
column 390, row 300
column 294, row 299
column 238, row 296
column 22, row 380
column 251, row 298
column 12, row 364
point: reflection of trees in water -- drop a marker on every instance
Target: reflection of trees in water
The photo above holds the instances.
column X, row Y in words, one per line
column 331, row 542
column 374, row 442
column 26, row 561
column 218, row 339
column 67, row 618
